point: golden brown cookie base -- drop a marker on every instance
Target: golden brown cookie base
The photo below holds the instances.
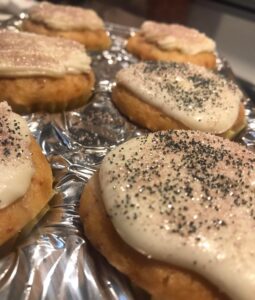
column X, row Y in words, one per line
column 23, row 233
column 161, row 280
column 152, row 118
column 149, row 51
column 16, row 216
column 26, row 94
column 91, row 39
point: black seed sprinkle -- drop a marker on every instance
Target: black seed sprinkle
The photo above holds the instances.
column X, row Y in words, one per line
column 202, row 90
column 10, row 136
column 199, row 163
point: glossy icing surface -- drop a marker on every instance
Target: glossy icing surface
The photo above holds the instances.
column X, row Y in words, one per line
column 63, row 17
column 193, row 95
column 186, row 198
column 177, row 37
column 27, row 54
column 16, row 162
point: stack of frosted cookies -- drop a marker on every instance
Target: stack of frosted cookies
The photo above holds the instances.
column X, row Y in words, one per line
column 74, row 23
column 169, row 95
column 175, row 212
column 40, row 73
column 172, row 42
column 26, row 179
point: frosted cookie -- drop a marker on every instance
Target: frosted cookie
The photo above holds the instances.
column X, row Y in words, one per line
column 172, row 42
column 163, row 95
column 175, row 212
column 74, row 23
column 39, row 73
column 26, row 178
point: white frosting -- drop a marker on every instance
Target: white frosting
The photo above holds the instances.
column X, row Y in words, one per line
column 186, row 198
column 177, row 37
column 62, row 17
column 28, row 54
column 193, row 95
column 15, row 163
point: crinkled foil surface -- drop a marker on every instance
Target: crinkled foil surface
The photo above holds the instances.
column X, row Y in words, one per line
column 55, row 261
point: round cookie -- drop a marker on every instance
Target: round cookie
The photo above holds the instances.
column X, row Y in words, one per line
column 74, row 23
column 172, row 42
column 39, row 73
column 26, row 186
column 174, row 211
column 163, row 95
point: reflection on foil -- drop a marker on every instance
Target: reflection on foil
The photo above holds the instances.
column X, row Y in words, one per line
column 56, row 261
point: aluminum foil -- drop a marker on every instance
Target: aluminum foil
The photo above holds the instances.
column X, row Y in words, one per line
column 55, row 261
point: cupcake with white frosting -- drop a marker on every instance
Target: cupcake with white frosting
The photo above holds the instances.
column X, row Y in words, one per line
column 169, row 95
column 172, row 42
column 40, row 73
column 175, row 212
column 26, row 180
column 74, row 23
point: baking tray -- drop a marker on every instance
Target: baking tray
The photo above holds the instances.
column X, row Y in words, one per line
column 56, row 261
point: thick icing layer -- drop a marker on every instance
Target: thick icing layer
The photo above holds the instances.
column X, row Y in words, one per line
column 27, row 54
column 15, row 163
column 63, row 17
column 186, row 198
column 177, row 37
column 193, row 95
